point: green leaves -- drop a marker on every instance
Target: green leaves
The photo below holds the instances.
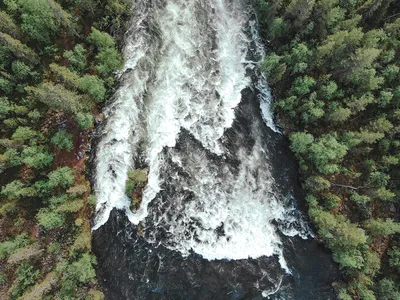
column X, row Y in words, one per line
column 50, row 219
column 382, row 227
column 38, row 20
column 300, row 142
column 77, row 58
column 108, row 58
column 63, row 177
column 56, row 96
column 63, row 140
column 93, row 86
column 36, row 157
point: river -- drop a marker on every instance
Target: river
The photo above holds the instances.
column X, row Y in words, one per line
column 221, row 214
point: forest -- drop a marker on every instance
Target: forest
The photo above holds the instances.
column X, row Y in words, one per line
column 333, row 67
column 57, row 67
column 334, row 70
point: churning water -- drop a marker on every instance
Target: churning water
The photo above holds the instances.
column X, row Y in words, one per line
column 185, row 110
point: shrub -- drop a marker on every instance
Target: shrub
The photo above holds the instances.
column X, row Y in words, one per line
column 26, row 276
column 63, row 177
column 77, row 58
column 93, row 86
column 25, row 134
column 300, row 142
column 84, row 120
column 36, row 157
column 16, row 190
column 388, row 290
column 317, row 183
column 22, row 71
column 394, row 257
column 50, row 219
column 82, row 270
column 382, row 227
column 109, row 61
column 101, row 40
column 38, row 20
column 63, row 140
column 11, row 245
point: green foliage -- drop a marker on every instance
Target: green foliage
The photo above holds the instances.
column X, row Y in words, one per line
column 84, row 240
column 101, row 40
column 384, row 194
column 109, row 60
column 317, row 183
column 22, row 71
column 9, row 246
column 38, row 20
column 62, row 17
column 63, row 140
column 82, row 270
column 48, row 79
column 77, row 58
column 300, row 142
column 394, row 257
column 91, row 200
column 56, row 96
column 24, row 134
column 338, row 114
column 50, row 219
column 360, row 199
column 17, row 190
column 302, row 86
column 93, row 86
column 299, row 11
column 84, row 120
column 95, row 295
column 71, row 206
column 56, row 200
column 3, row 278
column 336, row 230
column 349, row 258
column 8, row 26
column 388, row 290
column 342, row 114
column 6, row 86
column 331, row 201
column 19, row 49
column 13, row 157
column 298, row 58
column 277, row 28
column 54, row 248
column 5, row 107
column 36, row 157
column 65, row 76
column 26, row 275
column 382, row 227
column 42, row 188
column 63, row 177
column 273, row 68
column 326, row 153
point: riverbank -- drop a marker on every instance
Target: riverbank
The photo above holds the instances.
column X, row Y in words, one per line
column 57, row 67
column 333, row 67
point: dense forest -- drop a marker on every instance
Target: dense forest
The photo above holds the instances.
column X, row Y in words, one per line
column 333, row 66
column 57, row 66
column 334, row 69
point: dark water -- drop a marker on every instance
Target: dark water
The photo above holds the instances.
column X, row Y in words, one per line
column 129, row 267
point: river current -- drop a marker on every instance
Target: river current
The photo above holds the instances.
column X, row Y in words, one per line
column 219, row 217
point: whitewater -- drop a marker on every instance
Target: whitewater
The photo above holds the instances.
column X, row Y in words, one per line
column 187, row 65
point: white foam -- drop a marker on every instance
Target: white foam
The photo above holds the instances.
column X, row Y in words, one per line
column 184, row 79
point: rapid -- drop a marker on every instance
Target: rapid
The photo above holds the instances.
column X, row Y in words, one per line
column 193, row 108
